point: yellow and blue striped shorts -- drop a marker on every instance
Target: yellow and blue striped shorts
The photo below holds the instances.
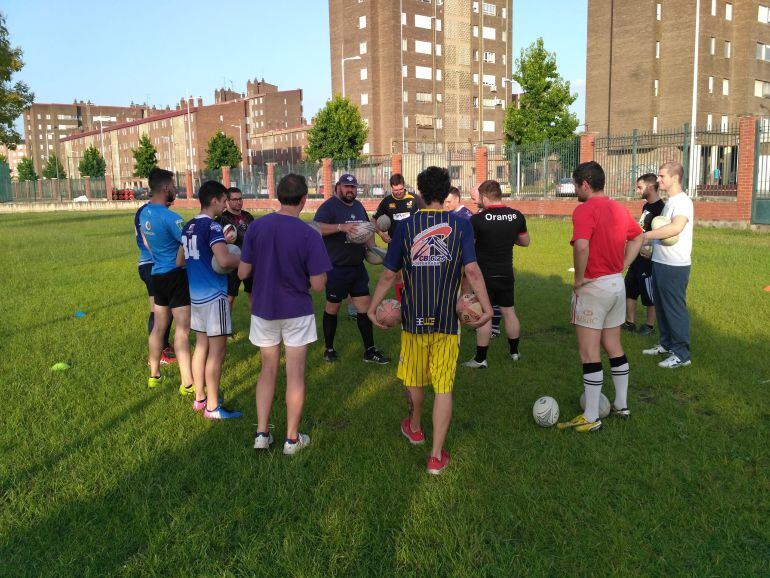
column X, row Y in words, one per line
column 428, row 359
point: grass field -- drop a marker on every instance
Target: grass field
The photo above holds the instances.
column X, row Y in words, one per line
column 101, row 476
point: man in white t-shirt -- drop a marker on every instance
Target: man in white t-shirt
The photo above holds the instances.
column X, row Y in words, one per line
column 671, row 270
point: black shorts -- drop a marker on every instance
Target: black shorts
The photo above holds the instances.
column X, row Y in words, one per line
column 639, row 283
column 344, row 281
column 145, row 274
column 500, row 290
column 234, row 283
column 171, row 289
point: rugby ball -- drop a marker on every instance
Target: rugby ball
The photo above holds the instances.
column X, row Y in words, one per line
column 545, row 411
column 468, row 308
column 233, row 250
column 604, row 405
column 661, row 221
column 375, row 255
column 361, row 232
column 230, row 233
column 389, row 313
column 383, row 222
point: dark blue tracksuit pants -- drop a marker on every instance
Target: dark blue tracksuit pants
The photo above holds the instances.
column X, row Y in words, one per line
column 669, row 286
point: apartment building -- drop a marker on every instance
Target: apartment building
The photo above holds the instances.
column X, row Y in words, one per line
column 14, row 156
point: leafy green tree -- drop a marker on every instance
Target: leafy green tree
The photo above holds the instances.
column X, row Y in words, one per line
column 53, row 169
column 543, row 111
column 14, row 98
column 145, row 157
column 222, row 152
column 26, row 170
column 92, row 164
column 338, row 132
column 3, row 159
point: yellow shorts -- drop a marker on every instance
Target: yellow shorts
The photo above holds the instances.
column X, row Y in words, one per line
column 428, row 359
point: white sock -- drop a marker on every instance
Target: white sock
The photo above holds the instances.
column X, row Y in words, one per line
column 593, row 376
column 619, row 367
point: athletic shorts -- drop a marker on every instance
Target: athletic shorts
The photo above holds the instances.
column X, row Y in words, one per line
column 234, row 283
column 344, row 281
column 171, row 289
column 639, row 283
column 500, row 290
column 601, row 303
column 145, row 274
column 212, row 318
column 428, row 359
column 294, row 332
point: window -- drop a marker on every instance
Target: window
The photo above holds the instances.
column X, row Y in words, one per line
column 761, row 89
column 725, row 87
column 421, row 21
column 475, row 7
column 423, row 72
column 490, row 9
column 439, row 123
column 709, row 121
column 656, row 85
column 362, row 48
column 713, row 7
column 406, row 96
column 489, row 57
column 475, row 31
column 657, row 49
column 403, row 19
column 728, row 48
column 438, row 50
column 489, row 33
column 488, row 80
column 364, row 74
column 475, row 102
column 403, row 44
column 404, row 71
column 364, row 98
column 658, row 11
column 475, row 56
column 723, row 123
column 438, row 74
column 365, row 150
column 424, row 97
column 654, row 124
column 489, row 126
column 728, row 11
column 475, row 78
column 438, row 25
column 763, row 52
column 439, row 97
column 422, row 47
column 711, row 85
column 362, row 22
column 406, row 122
column 423, row 120
column 764, row 15
column 712, row 46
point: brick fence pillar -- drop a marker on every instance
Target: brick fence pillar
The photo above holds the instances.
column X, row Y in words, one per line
column 482, row 155
column 395, row 164
column 68, row 188
column 747, row 134
column 55, row 190
column 226, row 176
column 271, row 180
column 587, row 147
column 107, row 187
column 88, row 188
column 188, row 183
column 39, row 189
column 326, row 177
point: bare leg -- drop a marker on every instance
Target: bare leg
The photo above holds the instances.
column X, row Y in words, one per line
column 271, row 356
column 512, row 325
column 651, row 316
column 484, row 334
column 217, row 347
column 155, row 340
column 442, row 415
column 630, row 310
column 417, row 395
column 295, row 388
column 611, row 342
column 181, row 342
column 199, row 356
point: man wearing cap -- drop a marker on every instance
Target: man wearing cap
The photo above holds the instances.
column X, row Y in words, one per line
column 336, row 217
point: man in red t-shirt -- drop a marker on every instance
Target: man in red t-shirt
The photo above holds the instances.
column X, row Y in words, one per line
column 605, row 240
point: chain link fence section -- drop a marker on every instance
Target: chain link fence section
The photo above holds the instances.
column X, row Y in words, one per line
column 536, row 170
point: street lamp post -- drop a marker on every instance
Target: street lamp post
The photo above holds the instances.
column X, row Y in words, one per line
column 342, row 65
column 240, row 140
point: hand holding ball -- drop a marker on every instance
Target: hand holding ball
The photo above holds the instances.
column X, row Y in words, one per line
column 230, row 233
column 233, row 250
column 389, row 313
column 361, row 232
column 661, row 221
column 468, row 308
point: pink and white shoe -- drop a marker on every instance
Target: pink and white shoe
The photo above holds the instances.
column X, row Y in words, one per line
column 437, row 466
column 415, row 437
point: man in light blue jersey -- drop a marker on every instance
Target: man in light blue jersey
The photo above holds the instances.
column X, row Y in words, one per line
column 202, row 241
column 161, row 229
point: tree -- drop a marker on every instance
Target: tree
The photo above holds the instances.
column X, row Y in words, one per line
column 3, row 159
column 26, row 170
column 338, row 132
column 222, row 152
column 145, row 157
column 543, row 111
column 92, row 164
column 14, row 98
column 53, row 169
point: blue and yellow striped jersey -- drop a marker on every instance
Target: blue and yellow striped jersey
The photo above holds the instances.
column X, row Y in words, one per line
column 430, row 248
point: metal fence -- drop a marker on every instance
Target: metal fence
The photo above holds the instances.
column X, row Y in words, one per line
column 762, row 160
column 461, row 164
column 541, row 169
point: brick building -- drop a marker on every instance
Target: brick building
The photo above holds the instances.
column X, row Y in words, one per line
column 641, row 61
column 281, row 146
column 426, row 75
column 14, row 156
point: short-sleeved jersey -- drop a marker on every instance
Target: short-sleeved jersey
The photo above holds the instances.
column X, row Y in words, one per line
column 463, row 212
column 342, row 252
column 430, row 249
column 607, row 225
column 680, row 253
column 163, row 230
column 496, row 229
column 649, row 212
column 144, row 254
column 397, row 210
column 240, row 222
column 198, row 236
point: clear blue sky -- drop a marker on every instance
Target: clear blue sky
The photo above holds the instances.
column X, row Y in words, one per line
column 156, row 52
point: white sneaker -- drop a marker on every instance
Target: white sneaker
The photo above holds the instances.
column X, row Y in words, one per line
column 473, row 364
column 673, row 362
column 262, row 441
column 656, row 350
column 289, row 449
column 515, row 356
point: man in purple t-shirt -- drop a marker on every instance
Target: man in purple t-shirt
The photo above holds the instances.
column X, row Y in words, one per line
column 286, row 258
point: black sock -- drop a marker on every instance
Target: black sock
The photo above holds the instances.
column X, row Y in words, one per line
column 150, row 322
column 366, row 329
column 481, row 353
column 496, row 317
column 330, row 328
column 650, row 326
column 166, row 335
column 514, row 345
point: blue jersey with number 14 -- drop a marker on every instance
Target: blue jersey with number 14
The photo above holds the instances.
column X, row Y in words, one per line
column 198, row 236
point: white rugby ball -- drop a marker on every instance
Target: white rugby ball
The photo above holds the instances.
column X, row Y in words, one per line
column 383, row 222
column 230, row 233
column 661, row 221
column 545, row 411
column 233, row 250
column 361, row 232
column 604, row 405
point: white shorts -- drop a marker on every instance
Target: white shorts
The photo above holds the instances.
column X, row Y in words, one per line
column 294, row 332
column 212, row 318
column 600, row 303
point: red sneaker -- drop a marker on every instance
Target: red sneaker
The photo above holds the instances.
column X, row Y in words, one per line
column 415, row 437
column 167, row 356
column 437, row 466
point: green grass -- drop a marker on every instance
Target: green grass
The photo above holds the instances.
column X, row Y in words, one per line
column 101, row 476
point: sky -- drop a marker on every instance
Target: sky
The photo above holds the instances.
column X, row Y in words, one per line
column 113, row 53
